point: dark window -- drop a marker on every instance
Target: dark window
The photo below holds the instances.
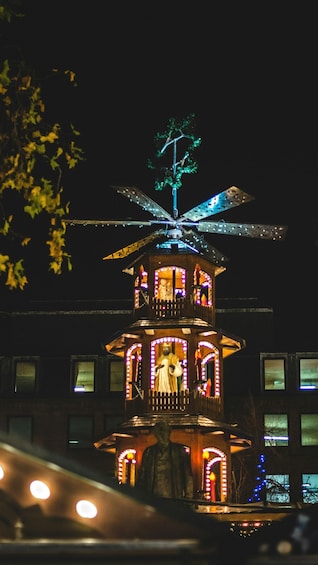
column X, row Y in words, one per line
column 21, row 427
column 116, row 376
column 80, row 433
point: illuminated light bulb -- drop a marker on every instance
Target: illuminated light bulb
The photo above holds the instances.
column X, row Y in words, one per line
column 284, row 547
column 40, row 490
column 1, row 472
column 86, row 509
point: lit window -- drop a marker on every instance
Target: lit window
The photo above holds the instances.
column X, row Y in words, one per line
column 309, row 429
column 20, row 426
column 133, row 370
column 202, row 287
column 310, row 488
column 116, row 376
column 274, row 374
column 277, row 488
column 141, row 287
column 308, row 374
column 178, row 347
column 80, row 432
column 84, row 376
column 275, row 429
column 25, row 374
column 170, row 283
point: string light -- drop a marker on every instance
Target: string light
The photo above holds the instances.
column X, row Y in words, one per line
column 260, row 488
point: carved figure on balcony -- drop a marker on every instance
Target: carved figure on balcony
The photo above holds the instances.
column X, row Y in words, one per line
column 168, row 370
column 166, row 467
column 198, row 364
column 165, row 290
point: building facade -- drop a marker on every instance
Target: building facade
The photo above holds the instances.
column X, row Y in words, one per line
column 62, row 390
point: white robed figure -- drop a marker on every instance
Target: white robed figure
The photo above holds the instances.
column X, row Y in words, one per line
column 167, row 370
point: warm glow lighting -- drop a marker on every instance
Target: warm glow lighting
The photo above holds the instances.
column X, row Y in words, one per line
column 215, row 456
column 170, row 340
column 1, row 472
column 133, row 358
column 86, row 509
column 127, row 457
column 131, row 336
column 40, row 490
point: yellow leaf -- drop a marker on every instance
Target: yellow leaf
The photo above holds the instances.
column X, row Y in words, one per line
column 51, row 137
column 3, row 260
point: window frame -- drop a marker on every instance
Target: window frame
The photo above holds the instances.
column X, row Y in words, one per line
column 275, row 441
column 20, row 417
column 111, row 386
column 26, row 359
column 312, row 427
column 78, row 443
column 284, row 493
column 309, row 493
column 304, row 387
column 73, row 379
column 264, row 359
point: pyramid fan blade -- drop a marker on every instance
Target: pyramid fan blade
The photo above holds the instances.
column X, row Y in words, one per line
column 199, row 244
column 129, row 249
column 246, row 230
column 106, row 223
column 230, row 198
column 145, row 202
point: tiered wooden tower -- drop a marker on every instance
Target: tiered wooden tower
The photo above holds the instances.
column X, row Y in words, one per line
column 173, row 285
column 185, row 320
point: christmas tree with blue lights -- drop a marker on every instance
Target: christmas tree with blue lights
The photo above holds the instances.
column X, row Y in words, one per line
column 259, row 492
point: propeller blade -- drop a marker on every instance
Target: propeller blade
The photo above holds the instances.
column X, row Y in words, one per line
column 246, row 230
column 106, row 223
column 129, row 249
column 145, row 202
column 200, row 245
column 230, row 198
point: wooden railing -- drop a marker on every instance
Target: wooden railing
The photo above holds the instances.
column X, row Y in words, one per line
column 210, row 406
column 178, row 308
column 168, row 308
column 175, row 401
column 184, row 401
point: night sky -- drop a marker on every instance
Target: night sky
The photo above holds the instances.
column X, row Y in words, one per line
column 248, row 74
